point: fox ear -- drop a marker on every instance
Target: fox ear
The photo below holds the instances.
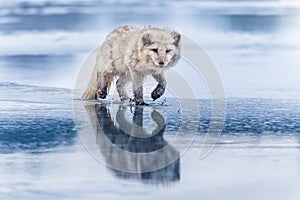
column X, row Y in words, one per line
column 146, row 39
column 176, row 37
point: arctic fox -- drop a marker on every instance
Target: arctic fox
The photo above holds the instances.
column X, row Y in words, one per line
column 131, row 53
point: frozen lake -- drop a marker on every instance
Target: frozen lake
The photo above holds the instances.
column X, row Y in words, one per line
column 257, row 155
column 255, row 47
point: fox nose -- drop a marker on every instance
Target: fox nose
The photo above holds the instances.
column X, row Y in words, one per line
column 161, row 63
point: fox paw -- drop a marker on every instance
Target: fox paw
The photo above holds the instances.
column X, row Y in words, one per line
column 141, row 103
column 101, row 94
column 157, row 92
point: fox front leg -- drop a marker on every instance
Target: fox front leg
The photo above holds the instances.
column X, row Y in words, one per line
column 137, row 86
column 161, row 86
column 101, row 86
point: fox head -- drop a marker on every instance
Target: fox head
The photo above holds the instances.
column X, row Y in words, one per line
column 161, row 47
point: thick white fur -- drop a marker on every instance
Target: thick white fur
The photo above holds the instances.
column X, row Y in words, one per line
column 131, row 53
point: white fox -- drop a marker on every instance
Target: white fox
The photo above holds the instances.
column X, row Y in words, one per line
column 131, row 53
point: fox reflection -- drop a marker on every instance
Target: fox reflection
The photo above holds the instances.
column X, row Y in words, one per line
column 133, row 137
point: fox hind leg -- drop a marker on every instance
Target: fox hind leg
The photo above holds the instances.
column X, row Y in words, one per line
column 120, row 84
column 101, row 86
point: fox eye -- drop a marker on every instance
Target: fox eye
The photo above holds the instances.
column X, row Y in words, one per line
column 154, row 50
column 168, row 50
